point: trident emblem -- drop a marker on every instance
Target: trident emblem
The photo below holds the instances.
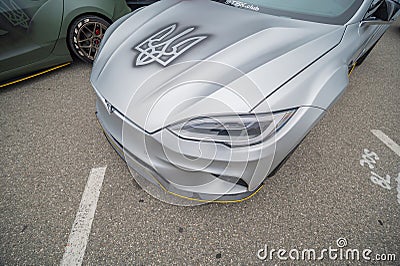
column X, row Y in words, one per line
column 157, row 48
column 14, row 14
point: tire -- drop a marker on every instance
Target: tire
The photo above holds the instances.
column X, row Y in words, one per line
column 84, row 36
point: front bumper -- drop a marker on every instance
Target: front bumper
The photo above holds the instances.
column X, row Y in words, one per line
column 202, row 171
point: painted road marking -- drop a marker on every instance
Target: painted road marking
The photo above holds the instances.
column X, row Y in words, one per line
column 387, row 141
column 78, row 238
column 369, row 158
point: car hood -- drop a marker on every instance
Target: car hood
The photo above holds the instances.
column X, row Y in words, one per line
column 233, row 59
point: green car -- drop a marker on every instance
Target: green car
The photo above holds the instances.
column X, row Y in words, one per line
column 39, row 34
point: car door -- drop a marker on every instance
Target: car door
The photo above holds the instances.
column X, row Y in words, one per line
column 369, row 34
column 28, row 31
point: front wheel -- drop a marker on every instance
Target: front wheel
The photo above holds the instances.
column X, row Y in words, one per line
column 85, row 35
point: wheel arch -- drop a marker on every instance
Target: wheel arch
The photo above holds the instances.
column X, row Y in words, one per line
column 108, row 19
column 71, row 22
column 71, row 34
column 69, row 19
column 108, row 10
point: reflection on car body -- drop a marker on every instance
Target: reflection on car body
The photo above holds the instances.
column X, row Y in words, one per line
column 207, row 108
column 36, row 35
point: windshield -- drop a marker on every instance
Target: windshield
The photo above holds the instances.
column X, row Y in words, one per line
column 323, row 11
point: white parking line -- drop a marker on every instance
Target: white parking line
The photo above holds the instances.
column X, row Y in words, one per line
column 78, row 238
column 388, row 141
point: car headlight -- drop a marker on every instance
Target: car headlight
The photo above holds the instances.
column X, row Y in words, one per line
column 235, row 130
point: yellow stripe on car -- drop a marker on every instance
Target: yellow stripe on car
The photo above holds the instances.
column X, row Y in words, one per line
column 34, row 75
column 352, row 68
column 119, row 150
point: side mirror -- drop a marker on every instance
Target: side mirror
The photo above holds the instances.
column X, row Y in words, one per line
column 384, row 13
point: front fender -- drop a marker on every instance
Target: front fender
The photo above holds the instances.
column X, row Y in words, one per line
column 319, row 85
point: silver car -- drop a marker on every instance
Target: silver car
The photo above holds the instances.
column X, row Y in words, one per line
column 205, row 99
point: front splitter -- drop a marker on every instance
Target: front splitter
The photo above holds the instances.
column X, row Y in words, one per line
column 147, row 173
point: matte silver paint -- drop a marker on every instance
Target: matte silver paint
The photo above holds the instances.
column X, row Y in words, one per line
column 256, row 63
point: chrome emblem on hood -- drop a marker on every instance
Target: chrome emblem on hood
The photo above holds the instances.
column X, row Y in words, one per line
column 157, row 49
column 109, row 107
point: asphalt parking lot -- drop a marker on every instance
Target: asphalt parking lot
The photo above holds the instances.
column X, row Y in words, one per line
column 50, row 141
